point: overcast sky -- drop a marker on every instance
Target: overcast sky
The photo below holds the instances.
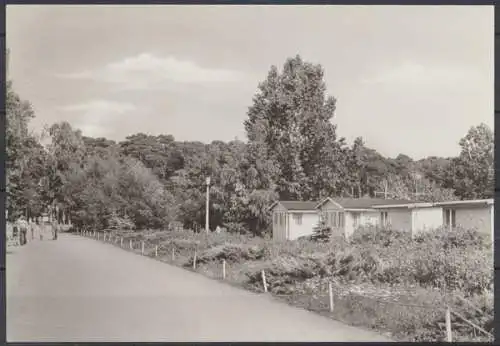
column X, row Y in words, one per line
column 408, row 79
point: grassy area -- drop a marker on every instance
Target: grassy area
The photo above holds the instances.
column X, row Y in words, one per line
column 381, row 279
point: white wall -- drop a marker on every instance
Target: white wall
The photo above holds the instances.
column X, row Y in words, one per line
column 309, row 221
column 492, row 223
column 425, row 219
column 348, row 224
column 370, row 218
column 400, row 219
column 475, row 217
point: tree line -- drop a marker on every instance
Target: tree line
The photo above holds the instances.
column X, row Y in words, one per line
column 293, row 152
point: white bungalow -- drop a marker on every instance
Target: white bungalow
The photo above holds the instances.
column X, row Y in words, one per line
column 293, row 219
column 418, row 217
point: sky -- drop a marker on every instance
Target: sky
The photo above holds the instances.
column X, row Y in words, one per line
column 408, row 79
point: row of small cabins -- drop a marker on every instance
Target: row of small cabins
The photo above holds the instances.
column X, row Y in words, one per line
column 295, row 219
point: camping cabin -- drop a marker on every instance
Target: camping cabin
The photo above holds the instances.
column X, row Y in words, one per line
column 293, row 219
column 419, row 217
column 477, row 214
column 345, row 215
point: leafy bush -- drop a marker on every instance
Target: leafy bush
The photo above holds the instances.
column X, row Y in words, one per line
column 379, row 236
column 455, row 238
column 233, row 253
column 236, row 227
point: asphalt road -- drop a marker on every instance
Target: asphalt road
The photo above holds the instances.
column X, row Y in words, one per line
column 77, row 289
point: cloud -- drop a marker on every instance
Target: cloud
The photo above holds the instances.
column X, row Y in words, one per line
column 95, row 118
column 146, row 71
column 410, row 73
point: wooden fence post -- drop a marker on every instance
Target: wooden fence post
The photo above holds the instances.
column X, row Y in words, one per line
column 121, row 241
column 223, row 269
column 194, row 260
column 449, row 337
column 142, row 247
column 330, row 294
column 156, row 251
column 264, row 280
column 173, row 254
column 97, row 235
column 130, row 244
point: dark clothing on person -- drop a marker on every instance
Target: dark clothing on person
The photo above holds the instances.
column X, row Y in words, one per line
column 24, row 232
column 15, row 232
column 55, row 230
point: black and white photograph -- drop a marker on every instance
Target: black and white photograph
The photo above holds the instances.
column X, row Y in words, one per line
column 249, row 173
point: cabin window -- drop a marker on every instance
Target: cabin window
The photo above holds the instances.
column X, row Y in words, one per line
column 298, row 218
column 450, row 217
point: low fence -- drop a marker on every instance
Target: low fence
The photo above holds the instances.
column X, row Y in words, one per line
column 327, row 299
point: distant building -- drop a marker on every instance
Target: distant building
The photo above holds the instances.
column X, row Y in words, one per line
column 293, row 219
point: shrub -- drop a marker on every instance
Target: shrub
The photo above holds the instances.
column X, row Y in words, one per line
column 379, row 236
column 233, row 253
column 236, row 227
column 455, row 238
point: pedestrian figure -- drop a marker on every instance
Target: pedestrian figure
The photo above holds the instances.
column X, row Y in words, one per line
column 32, row 229
column 23, row 229
column 54, row 230
column 15, row 233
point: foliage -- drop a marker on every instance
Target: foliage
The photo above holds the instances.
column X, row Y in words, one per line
column 120, row 223
column 321, row 232
column 471, row 173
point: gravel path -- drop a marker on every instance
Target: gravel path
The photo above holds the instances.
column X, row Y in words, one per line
column 77, row 289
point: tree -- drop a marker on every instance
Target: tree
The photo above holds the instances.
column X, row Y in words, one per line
column 25, row 161
column 159, row 153
column 66, row 149
column 321, row 232
column 471, row 173
column 289, row 124
column 404, row 188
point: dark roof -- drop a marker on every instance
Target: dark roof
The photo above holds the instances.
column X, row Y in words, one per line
column 299, row 205
column 366, row 203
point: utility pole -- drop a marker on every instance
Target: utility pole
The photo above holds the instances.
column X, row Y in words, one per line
column 207, row 181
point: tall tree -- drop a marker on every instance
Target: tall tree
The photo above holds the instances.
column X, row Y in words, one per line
column 25, row 161
column 472, row 172
column 66, row 149
column 289, row 123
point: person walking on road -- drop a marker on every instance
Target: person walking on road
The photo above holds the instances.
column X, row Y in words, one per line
column 23, row 230
column 32, row 229
column 54, row 230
